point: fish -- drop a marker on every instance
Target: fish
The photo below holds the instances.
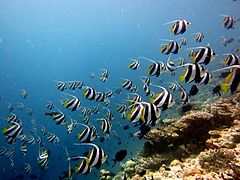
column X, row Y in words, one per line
column 183, row 41
column 127, row 84
column 136, row 112
column 170, row 67
column 89, row 93
column 20, row 106
column 207, row 77
column 86, row 134
column 100, row 97
column 52, row 138
column 30, row 140
column 57, row 116
column 232, row 81
column 183, row 94
column 231, row 59
column 10, row 107
column 39, row 141
column 134, row 65
column 23, row 149
column 146, row 80
column 109, row 114
column 119, row 156
column 156, row 68
column 173, row 86
column 194, row 90
column 83, row 166
column 61, row 85
column 151, row 114
column 143, row 130
column 199, row 37
column 204, row 55
column 172, row 47
column 179, row 26
column 73, row 104
column 109, row 93
column 13, row 118
column 96, row 156
column 226, row 41
column 105, row 125
column 43, row 158
column 163, row 100
column 23, row 94
column 217, row 90
column 104, row 75
column 193, row 72
column 228, row 22
column 27, row 168
column 29, row 112
column 12, row 132
column 49, row 105
column 135, row 98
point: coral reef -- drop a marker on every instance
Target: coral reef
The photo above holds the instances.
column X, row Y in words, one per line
column 203, row 144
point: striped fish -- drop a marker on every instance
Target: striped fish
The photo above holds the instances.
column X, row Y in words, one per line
column 179, row 26
column 163, row 100
column 73, row 104
column 203, row 56
column 89, row 93
column 134, row 65
column 12, row 132
column 228, row 22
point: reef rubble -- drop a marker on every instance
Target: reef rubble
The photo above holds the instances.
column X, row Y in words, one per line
column 202, row 144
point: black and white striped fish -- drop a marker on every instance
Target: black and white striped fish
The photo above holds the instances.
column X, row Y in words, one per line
column 163, row 100
column 49, row 105
column 61, row 85
column 192, row 72
column 105, row 125
column 27, row 168
column 183, row 41
column 231, row 59
column 86, row 134
column 228, row 21
column 12, row 132
column 179, row 26
column 156, row 68
column 127, row 84
column 96, row 156
column 172, row 47
column 100, row 97
column 57, row 116
column 73, row 104
column 43, row 159
column 89, row 93
column 134, row 65
column 183, row 94
column 203, row 56
column 199, row 37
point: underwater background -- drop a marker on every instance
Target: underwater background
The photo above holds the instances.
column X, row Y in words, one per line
column 45, row 41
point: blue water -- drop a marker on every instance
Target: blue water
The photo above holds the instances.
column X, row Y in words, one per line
column 47, row 40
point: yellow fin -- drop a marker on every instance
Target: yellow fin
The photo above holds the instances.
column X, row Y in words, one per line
column 171, row 29
column 225, row 87
column 229, row 77
column 181, row 78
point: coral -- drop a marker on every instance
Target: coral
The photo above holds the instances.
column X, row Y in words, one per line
column 203, row 144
